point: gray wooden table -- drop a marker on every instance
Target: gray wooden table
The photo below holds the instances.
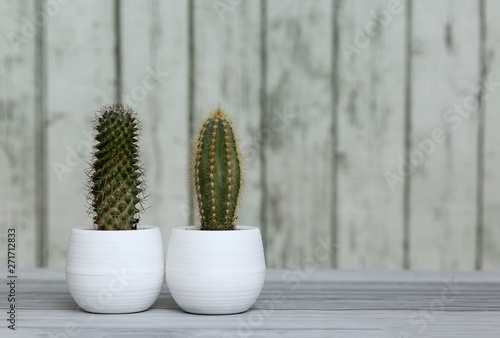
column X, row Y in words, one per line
column 294, row 303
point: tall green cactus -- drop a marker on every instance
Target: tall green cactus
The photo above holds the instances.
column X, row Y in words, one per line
column 217, row 172
column 116, row 176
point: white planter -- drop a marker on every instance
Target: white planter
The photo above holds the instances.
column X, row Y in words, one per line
column 215, row 272
column 118, row 271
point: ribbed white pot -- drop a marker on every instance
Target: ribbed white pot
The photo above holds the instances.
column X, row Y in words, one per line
column 115, row 271
column 215, row 272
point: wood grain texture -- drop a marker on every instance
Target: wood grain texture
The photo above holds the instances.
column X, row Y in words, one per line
column 445, row 54
column 370, row 134
column 17, row 129
column 491, row 103
column 297, row 136
column 293, row 303
column 226, row 44
column 80, row 48
column 154, row 61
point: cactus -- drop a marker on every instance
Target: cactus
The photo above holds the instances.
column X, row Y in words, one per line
column 217, row 172
column 116, row 176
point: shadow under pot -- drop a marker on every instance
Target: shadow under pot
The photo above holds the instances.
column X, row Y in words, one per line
column 120, row 271
column 215, row 272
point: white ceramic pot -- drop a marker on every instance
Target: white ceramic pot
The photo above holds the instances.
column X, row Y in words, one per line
column 118, row 271
column 215, row 272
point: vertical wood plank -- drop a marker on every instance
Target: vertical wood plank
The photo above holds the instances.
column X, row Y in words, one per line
column 17, row 128
column 297, row 136
column 370, row 134
column 262, row 123
column 81, row 78
column 444, row 118
column 41, row 11
column 191, row 91
column 491, row 105
column 155, row 83
column 227, row 71
column 407, row 130
column 480, row 139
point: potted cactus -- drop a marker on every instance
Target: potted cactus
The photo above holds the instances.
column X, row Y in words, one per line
column 216, row 267
column 116, row 266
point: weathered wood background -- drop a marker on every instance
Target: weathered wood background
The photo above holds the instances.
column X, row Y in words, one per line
column 370, row 127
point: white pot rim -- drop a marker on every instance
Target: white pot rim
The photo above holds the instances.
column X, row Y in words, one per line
column 196, row 228
column 92, row 229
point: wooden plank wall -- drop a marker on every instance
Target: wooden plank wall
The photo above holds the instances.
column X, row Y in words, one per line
column 20, row 129
column 297, row 123
column 370, row 137
column 488, row 151
column 369, row 127
column 445, row 60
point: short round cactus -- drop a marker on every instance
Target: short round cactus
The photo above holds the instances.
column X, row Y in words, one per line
column 116, row 175
column 217, row 172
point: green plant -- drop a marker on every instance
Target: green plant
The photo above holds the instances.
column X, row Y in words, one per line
column 217, row 172
column 116, row 182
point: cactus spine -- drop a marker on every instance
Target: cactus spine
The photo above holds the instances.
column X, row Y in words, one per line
column 116, row 175
column 217, row 172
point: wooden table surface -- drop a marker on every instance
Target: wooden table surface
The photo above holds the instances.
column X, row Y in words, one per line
column 293, row 303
